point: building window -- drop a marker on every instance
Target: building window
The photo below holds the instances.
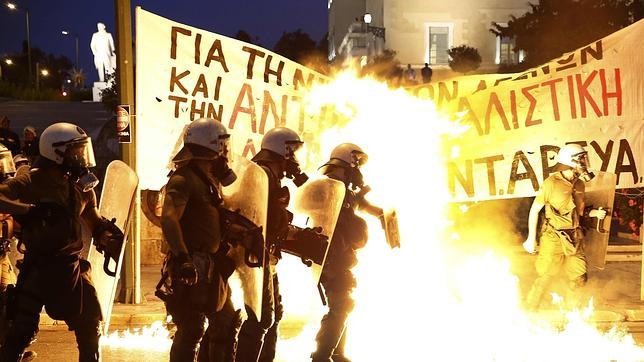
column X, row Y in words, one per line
column 439, row 42
column 505, row 53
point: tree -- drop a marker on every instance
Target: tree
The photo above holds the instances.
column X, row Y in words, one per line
column 58, row 67
column 383, row 66
column 553, row 27
column 110, row 95
column 318, row 59
column 244, row 36
column 464, row 59
column 297, row 45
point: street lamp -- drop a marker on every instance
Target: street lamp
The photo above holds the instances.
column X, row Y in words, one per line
column 14, row 7
column 7, row 62
column 367, row 18
column 68, row 33
column 40, row 72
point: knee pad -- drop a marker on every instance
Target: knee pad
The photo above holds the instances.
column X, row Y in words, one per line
column 344, row 306
column 189, row 333
column 90, row 328
column 222, row 327
column 253, row 327
column 579, row 282
column 253, row 324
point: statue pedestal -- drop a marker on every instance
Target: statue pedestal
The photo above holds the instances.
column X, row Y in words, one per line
column 96, row 90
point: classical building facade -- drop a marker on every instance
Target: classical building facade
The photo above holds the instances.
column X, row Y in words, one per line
column 421, row 31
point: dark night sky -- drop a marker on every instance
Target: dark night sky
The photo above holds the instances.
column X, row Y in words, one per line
column 264, row 18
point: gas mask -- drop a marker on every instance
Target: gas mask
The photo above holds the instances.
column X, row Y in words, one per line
column 84, row 178
column 581, row 169
column 222, row 172
column 585, row 175
column 355, row 178
column 294, row 172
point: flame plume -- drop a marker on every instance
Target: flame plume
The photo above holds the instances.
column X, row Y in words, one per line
column 432, row 299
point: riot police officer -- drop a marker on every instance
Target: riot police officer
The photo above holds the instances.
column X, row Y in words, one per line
column 7, row 273
column 258, row 334
column 562, row 248
column 350, row 235
column 50, row 202
column 196, row 269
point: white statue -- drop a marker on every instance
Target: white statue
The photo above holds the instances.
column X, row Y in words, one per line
column 102, row 46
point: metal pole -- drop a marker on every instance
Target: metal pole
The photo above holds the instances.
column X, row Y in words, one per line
column 642, row 261
column 37, row 77
column 77, row 65
column 28, row 47
column 125, row 83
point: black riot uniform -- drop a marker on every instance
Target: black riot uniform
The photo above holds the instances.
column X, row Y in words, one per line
column 194, row 279
column 258, row 334
column 350, row 235
column 190, row 304
column 50, row 203
column 258, row 337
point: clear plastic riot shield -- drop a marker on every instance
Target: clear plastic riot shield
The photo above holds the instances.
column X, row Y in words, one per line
column 600, row 192
column 248, row 196
column 117, row 202
column 320, row 201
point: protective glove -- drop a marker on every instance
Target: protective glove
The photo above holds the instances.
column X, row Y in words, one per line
column 186, row 270
column 598, row 213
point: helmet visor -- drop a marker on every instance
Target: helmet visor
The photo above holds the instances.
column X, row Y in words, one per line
column 79, row 153
column 359, row 158
column 582, row 160
column 7, row 167
column 224, row 145
column 291, row 147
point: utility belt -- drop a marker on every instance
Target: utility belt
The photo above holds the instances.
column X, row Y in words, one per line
column 204, row 262
column 37, row 259
column 210, row 291
column 570, row 238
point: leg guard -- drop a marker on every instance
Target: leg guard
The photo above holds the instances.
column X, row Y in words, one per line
column 251, row 339
column 332, row 325
column 219, row 344
column 25, row 307
column 573, row 299
column 535, row 296
column 251, row 335
column 270, row 340
column 87, row 337
column 14, row 345
column 220, row 340
column 190, row 329
column 87, row 326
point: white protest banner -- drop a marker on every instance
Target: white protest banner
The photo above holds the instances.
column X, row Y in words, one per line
column 185, row 73
column 593, row 96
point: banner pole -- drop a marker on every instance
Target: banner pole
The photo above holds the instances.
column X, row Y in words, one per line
column 642, row 246
column 131, row 293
